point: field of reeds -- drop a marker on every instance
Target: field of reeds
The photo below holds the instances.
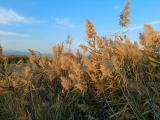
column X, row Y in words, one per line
column 108, row 79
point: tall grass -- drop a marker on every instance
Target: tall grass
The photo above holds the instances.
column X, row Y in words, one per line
column 116, row 80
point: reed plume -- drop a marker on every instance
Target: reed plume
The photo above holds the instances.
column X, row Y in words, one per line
column 124, row 17
column 90, row 32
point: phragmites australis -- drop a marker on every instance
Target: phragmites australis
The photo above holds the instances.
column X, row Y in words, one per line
column 149, row 37
column 82, row 86
column 90, row 32
column 100, row 42
column 124, row 17
column 57, row 49
column 66, row 83
column 27, row 73
column 83, row 47
column 33, row 58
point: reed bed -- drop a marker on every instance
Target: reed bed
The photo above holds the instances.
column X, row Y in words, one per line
column 107, row 79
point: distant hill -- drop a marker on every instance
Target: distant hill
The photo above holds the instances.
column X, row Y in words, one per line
column 21, row 53
column 15, row 52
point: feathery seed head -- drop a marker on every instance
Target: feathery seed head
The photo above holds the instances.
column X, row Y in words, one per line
column 90, row 32
column 124, row 17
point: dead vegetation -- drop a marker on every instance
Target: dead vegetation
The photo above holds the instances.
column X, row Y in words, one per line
column 116, row 80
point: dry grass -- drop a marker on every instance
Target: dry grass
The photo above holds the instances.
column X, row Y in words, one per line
column 116, row 80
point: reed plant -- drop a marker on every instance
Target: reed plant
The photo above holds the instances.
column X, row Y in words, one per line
column 116, row 80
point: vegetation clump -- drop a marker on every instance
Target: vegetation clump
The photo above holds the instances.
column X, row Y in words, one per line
column 116, row 80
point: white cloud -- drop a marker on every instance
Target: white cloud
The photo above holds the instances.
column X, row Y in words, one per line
column 141, row 26
column 138, row 27
column 155, row 22
column 65, row 22
column 9, row 33
column 9, row 16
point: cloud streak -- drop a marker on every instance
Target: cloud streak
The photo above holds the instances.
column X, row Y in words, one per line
column 65, row 22
column 141, row 26
column 9, row 16
column 9, row 33
column 138, row 27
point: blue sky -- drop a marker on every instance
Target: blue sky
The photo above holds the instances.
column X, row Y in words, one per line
column 39, row 24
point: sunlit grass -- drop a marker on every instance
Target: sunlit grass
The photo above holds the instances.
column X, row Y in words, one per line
column 116, row 80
